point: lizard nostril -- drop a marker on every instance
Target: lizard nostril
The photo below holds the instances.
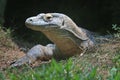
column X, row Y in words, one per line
column 47, row 17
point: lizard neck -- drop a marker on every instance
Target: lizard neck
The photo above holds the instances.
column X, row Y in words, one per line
column 66, row 43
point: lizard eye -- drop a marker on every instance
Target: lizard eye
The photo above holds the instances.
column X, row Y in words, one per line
column 47, row 17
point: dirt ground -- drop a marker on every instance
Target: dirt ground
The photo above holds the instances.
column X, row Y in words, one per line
column 8, row 55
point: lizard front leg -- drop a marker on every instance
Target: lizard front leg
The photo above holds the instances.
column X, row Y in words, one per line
column 34, row 53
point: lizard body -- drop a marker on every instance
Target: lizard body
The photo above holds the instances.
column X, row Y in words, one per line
column 68, row 38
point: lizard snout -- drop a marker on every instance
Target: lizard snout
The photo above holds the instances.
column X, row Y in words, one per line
column 47, row 17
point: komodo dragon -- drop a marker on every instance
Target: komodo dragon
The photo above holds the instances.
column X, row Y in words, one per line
column 68, row 38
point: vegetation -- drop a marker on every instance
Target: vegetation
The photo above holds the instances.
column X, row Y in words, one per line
column 58, row 71
column 5, row 37
column 101, row 64
column 117, row 29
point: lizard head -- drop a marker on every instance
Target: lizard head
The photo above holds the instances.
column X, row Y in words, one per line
column 47, row 21
column 55, row 21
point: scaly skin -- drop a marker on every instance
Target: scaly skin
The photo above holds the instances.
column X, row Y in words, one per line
column 68, row 38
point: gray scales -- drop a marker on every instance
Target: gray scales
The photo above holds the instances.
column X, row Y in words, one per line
column 68, row 38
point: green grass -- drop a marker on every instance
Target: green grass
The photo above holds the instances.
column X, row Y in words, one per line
column 52, row 71
column 117, row 29
column 57, row 71
column 5, row 37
